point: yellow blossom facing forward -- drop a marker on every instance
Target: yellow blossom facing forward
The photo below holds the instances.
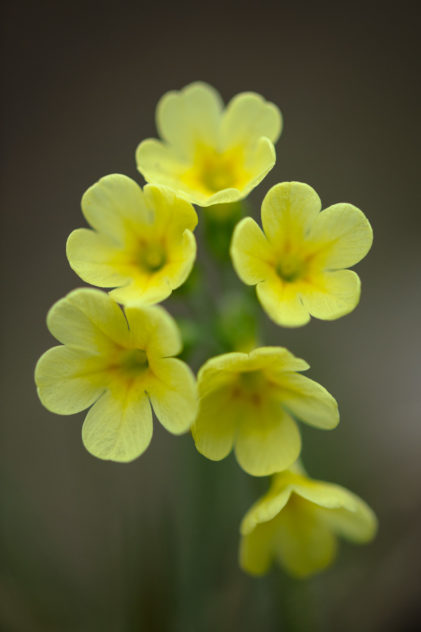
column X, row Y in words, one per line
column 142, row 243
column 249, row 400
column 298, row 261
column 296, row 523
column 210, row 155
column 120, row 364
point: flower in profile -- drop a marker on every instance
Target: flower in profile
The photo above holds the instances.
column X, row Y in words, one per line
column 248, row 400
column 142, row 243
column 296, row 523
column 211, row 155
column 120, row 364
column 298, row 261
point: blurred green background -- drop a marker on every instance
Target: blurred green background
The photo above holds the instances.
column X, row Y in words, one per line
column 150, row 546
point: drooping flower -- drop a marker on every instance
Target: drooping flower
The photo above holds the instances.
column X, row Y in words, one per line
column 248, row 400
column 296, row 523
column 211, row 155
column 142, row 243
column 120, row 364
column 298, row 261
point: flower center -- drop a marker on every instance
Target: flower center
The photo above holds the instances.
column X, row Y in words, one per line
column 134, row 361
column 152, row 257
column 213, row 171
column 251, row 385
column 290, row 268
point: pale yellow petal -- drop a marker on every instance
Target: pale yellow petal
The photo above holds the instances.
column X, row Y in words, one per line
column 288, row 212
column 115, row 206
column 153, row 330
column 69, row 380
column 258, row 163
column 88, row 319
column 96, row 259
column 247, row 118
column 181, row 258
column 267, row 440
column 308, row 401
column 332, row 294
column 190, row 116
column 282, row 303
column 304, row 544
column 256, row 550
column 344, row 512
column 275, row 359
column 172, row 215
column 159, row 164
column 142, row 293
column 250, row 252
column 214, row 428
column 344, row 234
column 119, row 425
column 265, row 509
column 359, row 525
column 173, row 394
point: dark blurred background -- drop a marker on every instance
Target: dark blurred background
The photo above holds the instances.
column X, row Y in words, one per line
column 150, row 546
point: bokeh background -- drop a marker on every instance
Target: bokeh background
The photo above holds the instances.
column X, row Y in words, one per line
column 152, row 546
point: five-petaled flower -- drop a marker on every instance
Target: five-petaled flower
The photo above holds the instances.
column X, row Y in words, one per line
column 211, row 156
column 121, row 365
column 296, row 523
column 298, row 261
column 142, row 244
column 248, row 400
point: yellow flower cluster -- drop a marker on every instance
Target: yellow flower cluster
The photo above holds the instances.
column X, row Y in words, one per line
column 117, row 349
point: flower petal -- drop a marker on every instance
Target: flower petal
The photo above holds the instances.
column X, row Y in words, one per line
column 159, row 164
column 332, row 295
column 267, row 441
column 96, row 259
column 88, row 319
column 256, row 549
column 172, row 214
column 115, row 206
column 119, row 425
column 153, row 330
column 344, row 233
column 69, row 380
column 214, row 428
column 265, row 509
column 304, row 544
column 173, row 394
column 190, row 116
column 247, row 118
column 308, row 401
column 282, row 302
column 250, row 252
column 344, row 512
column 288, row 212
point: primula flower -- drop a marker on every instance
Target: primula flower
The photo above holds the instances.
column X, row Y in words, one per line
column 141, row 244
column 249, row 400
column 298, row 260
column 121, row 365
column 211, row 155
column 296, row 523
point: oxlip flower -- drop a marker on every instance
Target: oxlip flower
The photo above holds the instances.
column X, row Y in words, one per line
column 298, row 261
column 210, row 155
column 249, row 400
column 142, row 243
column 297, row 522
column 120, row 364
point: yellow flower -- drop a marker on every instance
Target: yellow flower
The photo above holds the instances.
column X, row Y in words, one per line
column 141, row 244
column 249, row 399
column 121, row 365
column 211, row 156
column 296, row 523
column 298, row 261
